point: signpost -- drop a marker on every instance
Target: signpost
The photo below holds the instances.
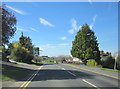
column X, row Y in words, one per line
column 36, row 51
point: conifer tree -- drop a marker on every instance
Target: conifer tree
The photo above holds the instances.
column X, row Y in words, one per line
column 85, row 45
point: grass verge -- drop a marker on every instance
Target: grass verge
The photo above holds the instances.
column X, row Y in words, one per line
column 11, row 73
column 106, row 69
column 33, row 63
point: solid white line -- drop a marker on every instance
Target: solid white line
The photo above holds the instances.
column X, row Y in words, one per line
column 90, row 83
column 71, row 73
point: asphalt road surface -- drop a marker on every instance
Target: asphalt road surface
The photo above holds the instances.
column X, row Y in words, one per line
column 60, row 75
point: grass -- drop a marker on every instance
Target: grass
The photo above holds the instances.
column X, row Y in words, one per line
column 48, row 61
column 33, row 63
column 83, row 65
column 106, row 69
column 10, row 73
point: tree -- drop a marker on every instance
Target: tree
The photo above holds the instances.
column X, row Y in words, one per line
column 8, row 24
column 10, row 46
column 22, row 50
column 27, row 43
column 85, row 45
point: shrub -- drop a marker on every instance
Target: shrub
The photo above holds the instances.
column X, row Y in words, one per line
column 108, row 63
column 91, row 62
column 21, row 54
column 118, row 62
column 18, row 54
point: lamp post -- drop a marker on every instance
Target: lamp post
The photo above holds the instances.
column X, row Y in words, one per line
column 115, row 64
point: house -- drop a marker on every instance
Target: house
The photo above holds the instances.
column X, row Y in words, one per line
column 104, row 55
column 74, row 60
column 45, row 57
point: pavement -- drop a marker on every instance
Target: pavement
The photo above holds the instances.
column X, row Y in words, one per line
column 64, row 75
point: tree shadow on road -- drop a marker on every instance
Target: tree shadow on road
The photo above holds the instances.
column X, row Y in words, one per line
column 53, row 74
column 22, row 74
column 16, row 73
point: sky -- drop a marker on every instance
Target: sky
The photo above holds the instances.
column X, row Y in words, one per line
column 52, row 26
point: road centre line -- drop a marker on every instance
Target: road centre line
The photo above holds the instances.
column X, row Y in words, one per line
column 30, row 80
column 69, row 72
column 26, row 81
column 95, row 72
column 90, row 83
column 25, row 84
column 82, row 79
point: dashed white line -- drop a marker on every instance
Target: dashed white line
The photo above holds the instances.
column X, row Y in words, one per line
column 63, row 68
column 90, row 83
column 71, row 73
column 67, row 71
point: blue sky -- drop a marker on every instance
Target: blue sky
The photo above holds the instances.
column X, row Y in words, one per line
column 53, row 26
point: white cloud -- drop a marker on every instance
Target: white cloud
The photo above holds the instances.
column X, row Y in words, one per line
column 21, row 29
column 79, row 27
column 63, row 44
column 94, row 20
column 46, row 46
column 63, row 38
column 90, row 1
column 16, row 10
column 45, row 22
column 33, row 29
column 71, row 31
column 41, row 48
column 74, row 24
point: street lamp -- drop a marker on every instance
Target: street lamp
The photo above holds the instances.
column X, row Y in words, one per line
column 115, row 64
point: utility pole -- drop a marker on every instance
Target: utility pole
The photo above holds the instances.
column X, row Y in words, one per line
column 115, row 64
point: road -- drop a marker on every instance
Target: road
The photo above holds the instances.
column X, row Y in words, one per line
column 60, row 75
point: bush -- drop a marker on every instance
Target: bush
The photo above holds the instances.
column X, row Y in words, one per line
column 21, row 54
column 37, row 59
column 118, row 62
column 91, row 62
column 108, row 63
column 18, row 54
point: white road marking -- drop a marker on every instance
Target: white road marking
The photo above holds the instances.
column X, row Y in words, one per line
column 59, row 66
column 63, row 68
column 90, row 83
column 71, row 73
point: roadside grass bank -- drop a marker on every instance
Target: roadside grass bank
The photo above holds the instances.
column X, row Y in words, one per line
column 104, row 69
column 47, row 61
column 33, row 63
column 11, row 73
